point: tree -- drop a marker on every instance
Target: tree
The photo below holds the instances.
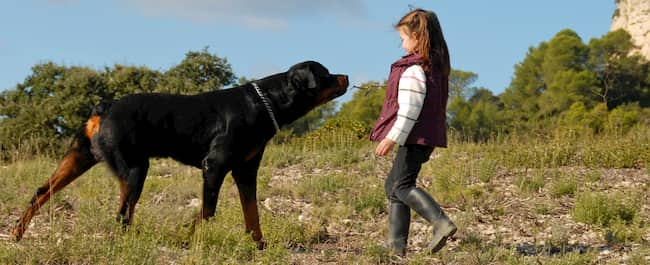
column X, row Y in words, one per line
column 565, row 51
column 458, row 112
column 198, row 72
column 365, row 105
column 484, row 121
column 478, row 118
column 556, row 74
column 483, row 94
column 122, row 80
column 623, row 75
column 55, row 100
column 520, row 97
column 562, row 56
column 50, row 102
column 460, row 83
column 568, row 87
column 313, row 119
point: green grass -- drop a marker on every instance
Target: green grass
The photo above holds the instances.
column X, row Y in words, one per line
column 322, row 201
column 566, row 185
column 530, row 184
column 602, row 209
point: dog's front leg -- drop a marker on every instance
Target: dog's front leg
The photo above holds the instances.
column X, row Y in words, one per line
column 246, row 178
column 213, row 176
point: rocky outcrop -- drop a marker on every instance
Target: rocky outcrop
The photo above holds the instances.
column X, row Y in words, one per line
column 634, row 17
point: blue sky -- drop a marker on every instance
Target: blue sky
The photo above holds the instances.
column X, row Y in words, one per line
column 261, row 37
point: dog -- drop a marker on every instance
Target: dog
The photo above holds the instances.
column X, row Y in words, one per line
column 218, row 132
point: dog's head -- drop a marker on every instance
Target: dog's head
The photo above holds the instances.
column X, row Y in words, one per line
column 314, row 85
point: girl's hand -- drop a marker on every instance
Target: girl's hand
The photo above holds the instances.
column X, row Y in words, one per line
column 384, row 147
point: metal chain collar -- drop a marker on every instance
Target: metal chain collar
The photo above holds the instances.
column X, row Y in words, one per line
column 268, row 106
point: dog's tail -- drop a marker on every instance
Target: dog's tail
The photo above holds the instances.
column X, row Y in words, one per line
column 77, row 160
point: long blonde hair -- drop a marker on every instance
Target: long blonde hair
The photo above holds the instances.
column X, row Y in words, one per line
column 431, row 44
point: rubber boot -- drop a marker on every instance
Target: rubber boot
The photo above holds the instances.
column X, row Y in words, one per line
column 425, row 206
column 399, row 220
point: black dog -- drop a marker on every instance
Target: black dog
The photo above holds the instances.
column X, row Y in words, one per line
column 219, row 132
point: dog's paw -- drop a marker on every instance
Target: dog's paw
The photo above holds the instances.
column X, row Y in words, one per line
column 261, row 244
column 16, row 234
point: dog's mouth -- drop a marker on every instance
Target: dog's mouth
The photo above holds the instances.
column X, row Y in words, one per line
column 338, row 89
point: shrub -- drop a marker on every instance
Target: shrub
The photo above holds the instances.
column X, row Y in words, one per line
column 564, row 187
column 623, row 117
column 621, row 232
column 601, row 208
column 487, row 169
column 530, row 184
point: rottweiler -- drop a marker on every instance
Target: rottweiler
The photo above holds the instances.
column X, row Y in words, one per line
column 218, row 132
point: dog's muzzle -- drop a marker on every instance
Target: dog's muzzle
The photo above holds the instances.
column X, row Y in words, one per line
column 342, row 85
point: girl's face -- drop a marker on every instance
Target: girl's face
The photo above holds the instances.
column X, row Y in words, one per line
column 408, row 41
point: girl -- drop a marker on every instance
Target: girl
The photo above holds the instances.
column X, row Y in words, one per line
column 413, row 116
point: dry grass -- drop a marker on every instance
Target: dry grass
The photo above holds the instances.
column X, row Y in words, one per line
column 518, row 200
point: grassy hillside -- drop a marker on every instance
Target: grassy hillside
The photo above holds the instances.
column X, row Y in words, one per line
column 561, row 198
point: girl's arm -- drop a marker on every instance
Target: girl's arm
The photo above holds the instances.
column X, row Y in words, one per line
column 410, row 97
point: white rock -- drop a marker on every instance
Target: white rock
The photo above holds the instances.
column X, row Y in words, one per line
column 634, row 17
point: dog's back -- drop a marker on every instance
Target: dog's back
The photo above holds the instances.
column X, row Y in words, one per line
column 157, row 125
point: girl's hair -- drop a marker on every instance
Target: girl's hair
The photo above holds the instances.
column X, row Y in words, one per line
column 431, row 44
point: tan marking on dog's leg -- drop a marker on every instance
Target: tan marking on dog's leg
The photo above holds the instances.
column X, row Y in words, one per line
column 121, row 211
column 252, row 218
column 72, row 166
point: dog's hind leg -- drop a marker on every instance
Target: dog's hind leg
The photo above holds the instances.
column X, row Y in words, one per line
column 76, row 161
column 131, row 172
column 131, row 188
column 245, row 176
column 130, row 166
column 122, row 209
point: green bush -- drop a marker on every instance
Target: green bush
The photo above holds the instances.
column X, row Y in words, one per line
column 530, row 184
column 487, row 170
column 566, row 186
column 346, row 126
column 370, row 203
column 621, row 232
column 623, row 117
column 602, row 209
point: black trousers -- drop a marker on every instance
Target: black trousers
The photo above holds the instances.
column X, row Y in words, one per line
column 405, row 170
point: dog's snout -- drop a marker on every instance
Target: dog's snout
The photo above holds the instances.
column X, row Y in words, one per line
column 343, row 81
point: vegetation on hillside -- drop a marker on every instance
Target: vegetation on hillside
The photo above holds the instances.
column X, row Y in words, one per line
column 599, row 86
column 560, row 198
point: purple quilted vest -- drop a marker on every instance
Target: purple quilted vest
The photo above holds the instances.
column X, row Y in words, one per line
column 430, row 129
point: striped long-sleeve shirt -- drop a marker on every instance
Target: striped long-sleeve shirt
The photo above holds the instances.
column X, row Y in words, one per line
column 412, row 90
